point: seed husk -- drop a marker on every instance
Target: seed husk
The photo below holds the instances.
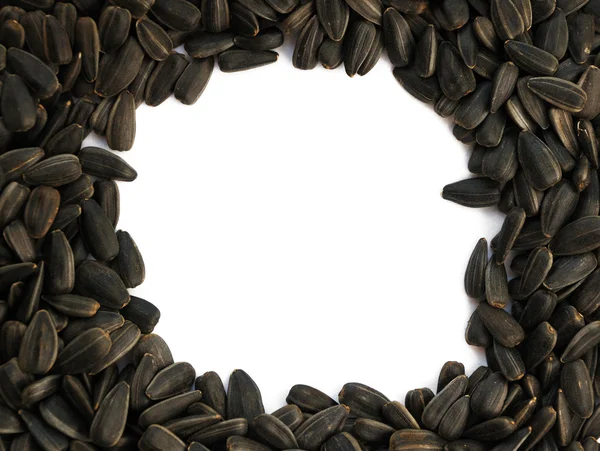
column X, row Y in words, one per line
column 119, row 69
column 426, row 53
column 244, row 399
column 40, row 390
column 109, row 421
column 205, row 45
column 503, row 327
column 155, row 41
column 538, row 266
column 88, row 43
column 105, row 164
column 363, row 400
column 121, row 125
column 320, row 427
column 476, row 192
column 103, row 284
column 57, row 413
column 98, row 232
column 305, row 55
column 371, row 10
column 530, row 58
column 113, row 28
column 455, row 77
column 193, row 81
column 577, row 387
column 558, row 92
column 331, row 54
column 424, row 89
column 496, row 284
column 408, row 439
column 309, row 399
column 57, row 45
column 504, row 83
column 123, row 340
column 398, row 38
column 43, row 434
column 578, row 237
column 157, row 437
column 54, row 171
column 589, row 81
column 357, row 44
column 439, row 405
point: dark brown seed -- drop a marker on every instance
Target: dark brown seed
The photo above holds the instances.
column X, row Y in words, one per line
column 539, row 345
column 455, row 78
column 538, row 266
column 503, row 327
column 123, row 340
column 492, row 430
column 320, row 427
column 520, row 116
column 577, row 387
column 121, row 124
column 343, row 441
column 505, row 81
column 244, row 21
column 37, row 75
column 155, row 41
column 243, row 397
column 12, row 34
column 552, row 35
column 73, row 305
column 57, row 413
column 161, row 83
column 362, row 400
column 511, row 228
column 334, row 16
column 539, row 164
column 83, row 352
column 373, row 55
column 474, row 108
column 475, row 192
column 496, row 284
column 168, row 409
column 40, row 211
column 475, row 273
column 331, row 54
column 560, row 93
column 98, row 232
column 221, row 431
column 398, row 416
column 39, row 346
column 531, row 59
column 357, row 44
column 204, row 45
column 171, row 381
column 57, row 45
column 109, row 421
column 425, row 89
column 297, row 19
column 510, row 363
column 120, row 68
column 43, row 434
column 507, row 19
column 19, row 241
column 144, row 373
column 113, row 25
column 588, row 142
column 215, row 15
column 54, row 171
column 105, row 164
column 371, row 10
column 274, row 432
column 305, row 55
column 426, row 53
column 155, row 345
column 138, row 8
column 157, row 438
column 99, row 118
column 439, row 405
column 177, row 14
column 578, row 237
column 476, row 333
column 40, row 390
column 448, row 373
column 585, row 339
column 398, row 38
column 290, row 415
column 558, row 205
column 15, row 93
column 412, row 439
column 102, row 284
column 488, row 398
column 500, row 163
column 589, row 82
column 309, row 399
column 484, row 31
column 581, row 36
column 88, row 43
column 562, row 123
column 193, row 81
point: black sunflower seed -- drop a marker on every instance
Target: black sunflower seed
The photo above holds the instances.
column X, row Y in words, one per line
column 177, row 14
column 439, row 405
column 552, row 35
column 507, row 18
column 305, row 55
column 539, row 164
column 83, row 352
column 109, row 421
column 157, row 437
column 503, row 327
column 371, row 10
column 578, row 237
column 581, row 36
column 577, row 387
column 320, row 427
column 558, row 92
column 589, row 81
column 57, row 413
column 155, row 41
column 98, row 232
column 407, row 439
column 113, row 25
column 57, row 45
column 426, row 53
column 37, row 75
column 215, row 15
column 357, row 44
column 530, row 58
column 244, row 399
column 475, row 192
column 455, row 78
column 119, row 69
column 331, row 53
column 399, row 40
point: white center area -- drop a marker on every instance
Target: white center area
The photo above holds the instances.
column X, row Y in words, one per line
column 292, row 225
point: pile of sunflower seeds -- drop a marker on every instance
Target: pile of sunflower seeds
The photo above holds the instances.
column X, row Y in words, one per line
column 80, row 366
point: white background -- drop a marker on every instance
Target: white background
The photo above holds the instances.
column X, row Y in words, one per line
column 292, row 225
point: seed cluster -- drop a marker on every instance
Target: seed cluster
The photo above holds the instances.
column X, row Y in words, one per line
column 80, row 366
